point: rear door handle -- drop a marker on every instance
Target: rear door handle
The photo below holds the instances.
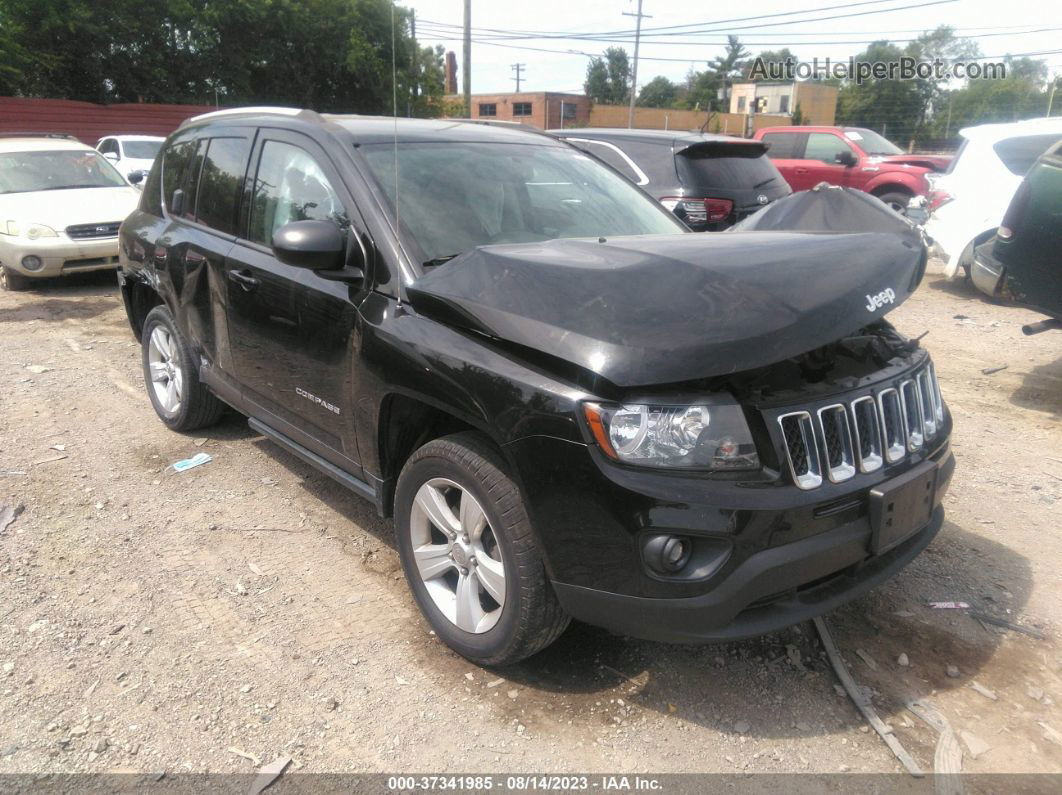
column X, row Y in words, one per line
column 193, row 256
column 800, row 171
column 244, row 279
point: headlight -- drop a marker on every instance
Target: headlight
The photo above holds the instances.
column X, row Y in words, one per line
column 34, row 231
column 700, row 436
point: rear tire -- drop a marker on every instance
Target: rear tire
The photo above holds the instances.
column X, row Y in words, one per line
column 464, row 538
column 172, row 378
column 12, row 281
column 896, row 200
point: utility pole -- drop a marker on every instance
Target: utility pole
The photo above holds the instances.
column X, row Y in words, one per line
column 518, row 68
column 1051, row 96
column 466, row 78
column 634, row 71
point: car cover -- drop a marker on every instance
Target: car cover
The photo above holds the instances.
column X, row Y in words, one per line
column 828, row 208
column 664, row 309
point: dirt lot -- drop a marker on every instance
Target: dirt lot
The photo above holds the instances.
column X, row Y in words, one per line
column 157, row 621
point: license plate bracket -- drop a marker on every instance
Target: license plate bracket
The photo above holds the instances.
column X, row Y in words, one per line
column 901, row 506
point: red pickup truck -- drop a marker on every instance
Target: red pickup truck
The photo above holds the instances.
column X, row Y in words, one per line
column 853, row 157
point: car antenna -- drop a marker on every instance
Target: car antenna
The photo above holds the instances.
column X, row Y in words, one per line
column 394, row 120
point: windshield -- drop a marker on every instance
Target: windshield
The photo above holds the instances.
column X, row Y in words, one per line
column 456, row 196
column 141, row 150
column 25, row 172
column 872, row 143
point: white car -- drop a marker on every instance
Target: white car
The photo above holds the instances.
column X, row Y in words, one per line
column 967, row 202
column 61, row 204
column 130, row 153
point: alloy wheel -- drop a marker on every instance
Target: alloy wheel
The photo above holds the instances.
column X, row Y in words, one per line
column 457, row 555
column 167, row 379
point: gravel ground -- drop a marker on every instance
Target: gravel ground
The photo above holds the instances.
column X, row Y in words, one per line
column 213, row 620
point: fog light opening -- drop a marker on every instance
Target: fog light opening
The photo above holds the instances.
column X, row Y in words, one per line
column 667, row 554
column 32, row 263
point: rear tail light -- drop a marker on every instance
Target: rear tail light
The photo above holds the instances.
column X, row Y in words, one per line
column 1012, row 218
column 938, row 198
column 699, row 211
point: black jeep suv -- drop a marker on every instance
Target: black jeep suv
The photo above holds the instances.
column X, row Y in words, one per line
column 571, row 406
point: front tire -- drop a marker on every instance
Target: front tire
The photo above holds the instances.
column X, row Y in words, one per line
column 897, row 201
column 12, row 281
column 469, row 555
column 171, row 377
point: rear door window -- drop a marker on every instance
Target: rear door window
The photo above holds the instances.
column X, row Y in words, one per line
column 1019, row 154
column 784, row 146
column 221, row 182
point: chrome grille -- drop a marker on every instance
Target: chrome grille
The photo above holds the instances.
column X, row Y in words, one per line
column 90, row 231
column 872, row 430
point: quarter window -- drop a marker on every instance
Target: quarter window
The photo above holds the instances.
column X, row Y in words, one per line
column 180, row 171
column 221, row 182
column 521, row 109
column 1019, row 154
column 290, row 186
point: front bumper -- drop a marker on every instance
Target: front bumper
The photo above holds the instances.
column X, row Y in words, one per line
column 770, row 590
column 59, row 255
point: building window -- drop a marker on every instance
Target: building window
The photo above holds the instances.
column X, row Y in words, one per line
column 741, row 104
column 521, row 109
column 783, row 104
column 488, row 109
column 568, row 110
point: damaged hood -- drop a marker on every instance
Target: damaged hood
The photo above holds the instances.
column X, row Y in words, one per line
column 663, row 309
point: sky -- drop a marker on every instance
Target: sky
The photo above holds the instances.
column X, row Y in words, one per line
column 1014, row 27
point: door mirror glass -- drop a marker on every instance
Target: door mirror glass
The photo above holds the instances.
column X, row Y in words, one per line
column 136, row 177
column 315, row 245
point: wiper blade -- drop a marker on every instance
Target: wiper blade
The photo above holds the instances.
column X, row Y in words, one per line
column 75, row 187
column 441, row 260
column 765, row 182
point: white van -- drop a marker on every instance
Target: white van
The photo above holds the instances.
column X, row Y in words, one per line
column 967, row 202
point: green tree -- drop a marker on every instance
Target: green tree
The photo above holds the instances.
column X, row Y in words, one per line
column 940, row 44
column 331, row 55
column 890, row 107
column 658, row 93
column 784, row 55
column 608, row 79
column 731, row 63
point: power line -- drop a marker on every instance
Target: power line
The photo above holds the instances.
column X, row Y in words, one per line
column 703, row 43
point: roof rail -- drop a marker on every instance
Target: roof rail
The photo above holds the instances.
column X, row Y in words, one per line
column 256, row 110
column 13, row 134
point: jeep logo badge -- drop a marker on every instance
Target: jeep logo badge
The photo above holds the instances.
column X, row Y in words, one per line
column 761, row 199
column 886, row 296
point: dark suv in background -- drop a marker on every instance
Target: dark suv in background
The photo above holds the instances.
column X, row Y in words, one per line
column 709, row 181
column 571, row 406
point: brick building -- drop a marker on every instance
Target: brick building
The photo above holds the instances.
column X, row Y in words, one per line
column 543, row 109
column 817, row 102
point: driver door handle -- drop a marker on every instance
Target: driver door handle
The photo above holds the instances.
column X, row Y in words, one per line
column 800, row 171
column 244, row 279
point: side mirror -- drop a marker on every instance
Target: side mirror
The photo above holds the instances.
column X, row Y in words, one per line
column 135, row 177
column 845, row 158
column 112, row 156
column 314, row 245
